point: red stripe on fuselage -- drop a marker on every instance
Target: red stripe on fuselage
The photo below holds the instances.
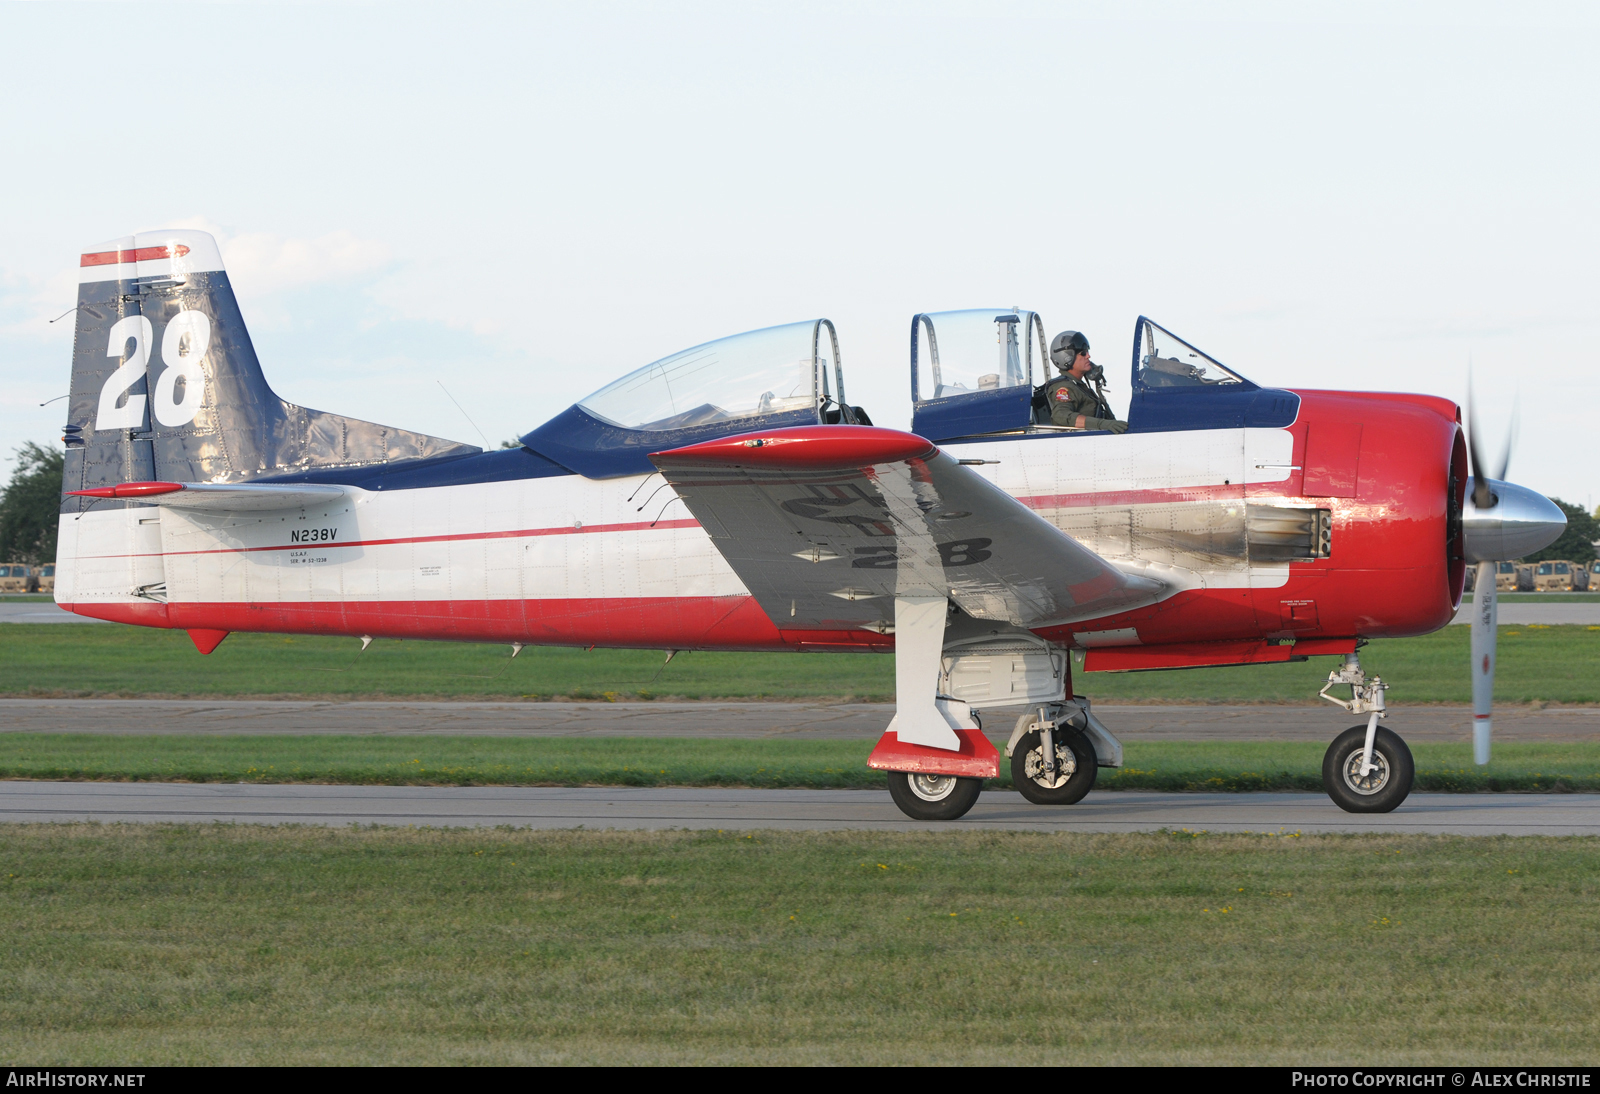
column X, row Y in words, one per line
column 638, row 526
column 1217, row 492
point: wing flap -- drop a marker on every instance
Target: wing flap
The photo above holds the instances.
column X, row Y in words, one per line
column 826, row 525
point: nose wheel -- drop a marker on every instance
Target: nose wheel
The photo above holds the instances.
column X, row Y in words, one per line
column 1360, row 787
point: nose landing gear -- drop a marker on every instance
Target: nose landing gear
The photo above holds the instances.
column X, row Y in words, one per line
column 1366, row 769
column 1384, row 784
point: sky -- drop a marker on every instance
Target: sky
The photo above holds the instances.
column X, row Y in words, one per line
column 521, row 202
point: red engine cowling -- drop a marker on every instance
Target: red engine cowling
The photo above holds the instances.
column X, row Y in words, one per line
column 1392, row 471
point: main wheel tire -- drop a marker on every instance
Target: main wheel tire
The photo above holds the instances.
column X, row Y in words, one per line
column 933, row 797
column 1380, row 790
column 1076, row 768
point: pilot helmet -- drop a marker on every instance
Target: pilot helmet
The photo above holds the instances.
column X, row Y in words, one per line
column 1066, row 347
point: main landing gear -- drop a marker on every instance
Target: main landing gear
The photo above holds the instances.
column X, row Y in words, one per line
column 935, row 754
column 1366, row 769
column 1055, row 751
column 933, row 797
column 1052, row 761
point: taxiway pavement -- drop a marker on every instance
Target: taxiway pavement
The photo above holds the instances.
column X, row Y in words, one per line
column 658, row 808
column 866, row 721
column 39, row 611
column 1512, row 613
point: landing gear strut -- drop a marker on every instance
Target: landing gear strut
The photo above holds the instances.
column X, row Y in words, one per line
column 1366, row 769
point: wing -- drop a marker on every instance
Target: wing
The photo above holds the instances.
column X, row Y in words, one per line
column 221, row 497
column 826, row 525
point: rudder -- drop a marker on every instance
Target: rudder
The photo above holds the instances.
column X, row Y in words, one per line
column 166, row 384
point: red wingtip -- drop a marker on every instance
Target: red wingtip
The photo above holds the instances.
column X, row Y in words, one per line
column 129, row 490
column 808, row 446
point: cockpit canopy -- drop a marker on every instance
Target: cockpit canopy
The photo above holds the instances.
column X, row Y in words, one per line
column 956, row 353
column 1163, row 360
column 758, row 374
column 972, row 374
column 972, row 371
column 762, row 379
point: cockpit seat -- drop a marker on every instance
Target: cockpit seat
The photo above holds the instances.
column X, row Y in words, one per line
column 834, row 415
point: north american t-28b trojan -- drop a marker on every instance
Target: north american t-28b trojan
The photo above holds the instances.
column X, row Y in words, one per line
column 729, row 497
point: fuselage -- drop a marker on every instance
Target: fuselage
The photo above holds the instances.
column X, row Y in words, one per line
column 568, row 560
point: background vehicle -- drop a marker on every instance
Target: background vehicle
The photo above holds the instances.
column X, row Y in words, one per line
column 1553, row 576
column 1505, row 576
column 45, row 577
column 14, row 578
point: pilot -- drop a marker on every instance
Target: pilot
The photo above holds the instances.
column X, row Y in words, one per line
column 1069, row 398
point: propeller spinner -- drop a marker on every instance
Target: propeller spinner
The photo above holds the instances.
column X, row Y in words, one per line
column 1500, row 520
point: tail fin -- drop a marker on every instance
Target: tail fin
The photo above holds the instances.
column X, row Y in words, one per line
column 166, row 385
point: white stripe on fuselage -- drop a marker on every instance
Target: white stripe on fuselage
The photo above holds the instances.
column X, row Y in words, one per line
column 534, row 539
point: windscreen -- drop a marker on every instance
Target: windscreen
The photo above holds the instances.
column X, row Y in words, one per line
column 979, row 349
column 1162, row 359
column 750, row 375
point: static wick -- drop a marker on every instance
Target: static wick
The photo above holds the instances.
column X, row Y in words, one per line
column 670, row 655
column 516, row 648
column 640, row 487
column 366, row 640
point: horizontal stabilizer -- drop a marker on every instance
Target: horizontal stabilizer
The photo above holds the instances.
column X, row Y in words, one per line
column 827, row 525
column 221, row 497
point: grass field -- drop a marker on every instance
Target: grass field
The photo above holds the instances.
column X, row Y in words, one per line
column 657, row 761
column 146, row 945
column 1550, row 664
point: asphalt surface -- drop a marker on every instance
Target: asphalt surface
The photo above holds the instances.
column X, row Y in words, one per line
column 1520, row 615
column 1511, row 614
column 39, row 611
column 866, row 721
column 650, row 808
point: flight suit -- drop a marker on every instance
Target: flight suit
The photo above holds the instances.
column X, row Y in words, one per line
column 1068, row 397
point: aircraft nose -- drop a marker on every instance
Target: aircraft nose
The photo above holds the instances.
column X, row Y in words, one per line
column 1517, row 523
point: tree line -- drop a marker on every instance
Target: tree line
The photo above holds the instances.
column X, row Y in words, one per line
column 30, row 508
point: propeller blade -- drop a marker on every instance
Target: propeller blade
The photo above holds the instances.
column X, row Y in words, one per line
column 1485, row 616
column 1511, row 436
column 1481, row 497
